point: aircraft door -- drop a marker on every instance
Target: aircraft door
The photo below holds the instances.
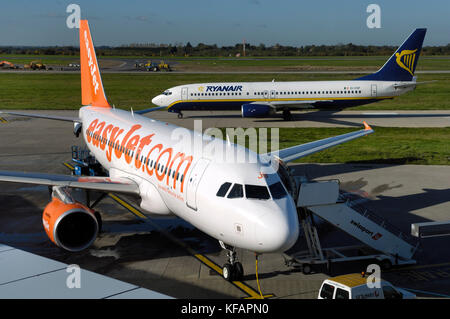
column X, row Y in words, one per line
column 193, row 181
column 374, row 90
column 273, row 94
column 184, row 93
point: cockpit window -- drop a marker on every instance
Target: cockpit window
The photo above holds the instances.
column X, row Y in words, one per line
column 167, row 92
column 277, row 190
column 236, row 192
column 223, row 189
column 256, row 192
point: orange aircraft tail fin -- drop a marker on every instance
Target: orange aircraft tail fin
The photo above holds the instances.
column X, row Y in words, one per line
column 92, row 92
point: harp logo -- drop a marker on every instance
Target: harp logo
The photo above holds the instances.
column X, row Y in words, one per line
column 405, row 60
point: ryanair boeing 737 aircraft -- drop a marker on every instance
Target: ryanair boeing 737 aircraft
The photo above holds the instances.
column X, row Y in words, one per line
column 256, row 99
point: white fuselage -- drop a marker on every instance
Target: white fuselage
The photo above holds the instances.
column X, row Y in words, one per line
column 232, row 95
column 175, row 178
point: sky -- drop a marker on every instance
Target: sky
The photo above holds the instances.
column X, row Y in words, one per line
column 287, row 22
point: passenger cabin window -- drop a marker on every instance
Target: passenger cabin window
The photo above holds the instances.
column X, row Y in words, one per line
column 236, row 192
column 223, row 189
column 256, row 192
column 277, row 190
column 342, row 294
column 327, row 291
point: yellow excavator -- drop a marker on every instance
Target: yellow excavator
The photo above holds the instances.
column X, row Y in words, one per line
column 155, row 67
column 35, row 65
column 164, row 66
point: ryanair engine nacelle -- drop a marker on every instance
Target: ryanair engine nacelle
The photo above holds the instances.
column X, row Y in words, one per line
column 255, row 110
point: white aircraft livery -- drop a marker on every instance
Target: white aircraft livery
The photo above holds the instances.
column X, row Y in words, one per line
column 256, row 99
column 243, row 204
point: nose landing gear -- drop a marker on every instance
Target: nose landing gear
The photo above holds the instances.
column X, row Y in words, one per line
column 233, row 270
column 180, row 115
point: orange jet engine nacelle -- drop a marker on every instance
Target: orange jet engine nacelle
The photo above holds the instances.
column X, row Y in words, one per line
column 71, row 226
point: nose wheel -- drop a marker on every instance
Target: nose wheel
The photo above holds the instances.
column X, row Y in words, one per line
column 233, row 269
column 180, row 115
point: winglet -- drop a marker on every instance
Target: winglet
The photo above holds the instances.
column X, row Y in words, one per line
column 92, row 91
column 366, row 126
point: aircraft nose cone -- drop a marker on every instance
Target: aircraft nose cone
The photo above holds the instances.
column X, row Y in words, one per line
column 279, row 232
column 157, row 100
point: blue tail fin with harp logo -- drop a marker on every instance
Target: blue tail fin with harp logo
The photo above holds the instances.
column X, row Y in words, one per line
column 402, row 64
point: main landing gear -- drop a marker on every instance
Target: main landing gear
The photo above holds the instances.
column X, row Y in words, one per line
column 233, row 270
column 287, row 115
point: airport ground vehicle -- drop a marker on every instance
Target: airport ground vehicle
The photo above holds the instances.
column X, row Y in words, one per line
column 35, row 65
column 354, row 286
column 382, row 243
column 8, row 65
column 153, row 66
column 163, row 66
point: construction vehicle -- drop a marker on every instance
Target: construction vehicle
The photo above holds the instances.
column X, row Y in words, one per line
column 8, row 65
column 35, row 65
column 164, row 66
column 153, row 66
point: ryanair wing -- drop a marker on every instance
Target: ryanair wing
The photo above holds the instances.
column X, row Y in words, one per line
column 299, row 151
column 277, row 105
column 152, row 109
column 104, row 184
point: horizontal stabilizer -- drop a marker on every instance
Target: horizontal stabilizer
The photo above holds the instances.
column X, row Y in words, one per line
column 411, row 84
column 43, row 116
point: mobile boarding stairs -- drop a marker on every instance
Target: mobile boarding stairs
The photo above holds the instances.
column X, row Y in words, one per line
column 382, row 241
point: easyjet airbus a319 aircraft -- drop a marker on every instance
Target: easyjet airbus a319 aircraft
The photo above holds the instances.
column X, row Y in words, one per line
column 241, row 204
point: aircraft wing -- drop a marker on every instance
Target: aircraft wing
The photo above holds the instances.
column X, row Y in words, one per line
column 301, row 104
column 42, row 116
column 150, row 110
column 299, row 151
column 104, row 184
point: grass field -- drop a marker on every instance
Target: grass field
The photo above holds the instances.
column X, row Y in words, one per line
column 62, row 91
column 429, row 146
column 387, row 145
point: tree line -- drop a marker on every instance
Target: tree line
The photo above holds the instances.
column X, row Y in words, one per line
column 213, row 50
